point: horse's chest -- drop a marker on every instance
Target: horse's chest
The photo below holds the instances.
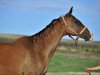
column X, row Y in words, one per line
column 33, row 67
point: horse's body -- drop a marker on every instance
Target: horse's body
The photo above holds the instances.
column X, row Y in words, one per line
column 30, row 55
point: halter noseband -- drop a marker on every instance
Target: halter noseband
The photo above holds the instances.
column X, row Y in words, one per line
column 73, row 30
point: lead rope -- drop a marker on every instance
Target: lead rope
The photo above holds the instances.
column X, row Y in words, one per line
column 76, row 44
column 91, row 40
column 89, row 73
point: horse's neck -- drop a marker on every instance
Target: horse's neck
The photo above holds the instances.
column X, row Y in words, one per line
column 48, row 39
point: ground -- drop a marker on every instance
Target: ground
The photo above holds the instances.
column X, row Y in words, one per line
column 72, row 73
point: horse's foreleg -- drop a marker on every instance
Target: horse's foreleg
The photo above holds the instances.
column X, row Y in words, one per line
column 45, row 71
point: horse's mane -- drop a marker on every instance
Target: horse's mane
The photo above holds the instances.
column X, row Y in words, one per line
column 42, row 31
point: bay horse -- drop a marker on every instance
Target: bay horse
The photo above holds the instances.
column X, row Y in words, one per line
column 30, row 55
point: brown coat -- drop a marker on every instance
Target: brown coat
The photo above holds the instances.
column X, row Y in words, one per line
column 30, row 55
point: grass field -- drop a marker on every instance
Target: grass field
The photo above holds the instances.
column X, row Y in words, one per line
column 62, row 62
column 66, row 57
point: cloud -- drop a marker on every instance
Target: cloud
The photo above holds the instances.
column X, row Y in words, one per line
column 52, row 5
column 92, row 6
column 86, row 7
column 30, row 5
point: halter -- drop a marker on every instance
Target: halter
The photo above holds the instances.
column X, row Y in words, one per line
column 73, row 30
column 75, row 33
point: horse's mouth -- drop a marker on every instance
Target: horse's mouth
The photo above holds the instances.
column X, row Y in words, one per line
column 87, row 38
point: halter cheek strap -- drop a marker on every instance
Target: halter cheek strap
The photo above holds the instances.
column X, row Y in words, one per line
column 73, row 30
column 82, row 30
column 67, row 26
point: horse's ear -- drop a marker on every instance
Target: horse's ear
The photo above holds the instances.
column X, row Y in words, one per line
column 71, row 10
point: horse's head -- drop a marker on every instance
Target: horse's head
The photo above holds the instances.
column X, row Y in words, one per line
column 74, row 27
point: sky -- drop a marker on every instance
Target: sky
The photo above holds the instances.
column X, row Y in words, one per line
column 27, row 17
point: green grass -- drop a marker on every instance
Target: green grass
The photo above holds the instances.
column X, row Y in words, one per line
column 65, row 63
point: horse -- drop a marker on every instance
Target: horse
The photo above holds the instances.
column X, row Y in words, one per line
column 30, row 55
